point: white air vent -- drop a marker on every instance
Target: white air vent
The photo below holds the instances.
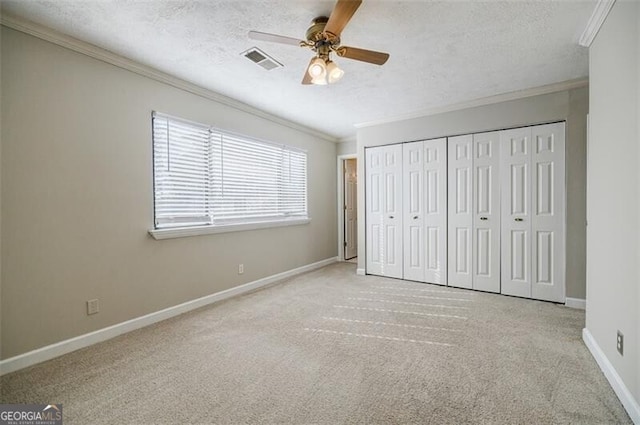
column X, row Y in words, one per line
column 259, row 57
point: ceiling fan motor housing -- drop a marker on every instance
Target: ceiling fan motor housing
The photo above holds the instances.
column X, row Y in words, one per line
column 316, row 28
column 316, row 35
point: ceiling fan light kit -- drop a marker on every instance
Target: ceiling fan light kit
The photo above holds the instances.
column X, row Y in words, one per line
column 334, row 73
column 318, row 68
column 323, row 37
column 323, row 71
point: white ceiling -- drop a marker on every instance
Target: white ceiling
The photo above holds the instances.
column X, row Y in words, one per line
column 442, row 52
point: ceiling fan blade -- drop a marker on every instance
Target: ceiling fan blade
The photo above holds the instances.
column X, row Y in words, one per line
column 273, row 38
column 307, row 78
column 341, row 15
column 377, row 58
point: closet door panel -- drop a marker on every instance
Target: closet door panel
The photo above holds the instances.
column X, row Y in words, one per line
column 435, row 210
column 392, row 216
column 548, row 212
column 413, row 205
column 515, row 146
column 460, row 211
column 384, row 210
column 374, row 195
column 486, row 212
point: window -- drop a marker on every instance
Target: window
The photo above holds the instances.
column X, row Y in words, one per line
column 207, row 177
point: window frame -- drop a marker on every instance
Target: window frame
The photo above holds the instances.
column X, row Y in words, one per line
column 226, row 225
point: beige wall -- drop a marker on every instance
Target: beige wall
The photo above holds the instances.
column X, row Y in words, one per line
column 571, row 105
column 347, row 148
column 613, row 247
column 77, row 199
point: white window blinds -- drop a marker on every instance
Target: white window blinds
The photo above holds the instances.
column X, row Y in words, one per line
column 204, row 176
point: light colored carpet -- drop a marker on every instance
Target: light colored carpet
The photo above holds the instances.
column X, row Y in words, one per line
column 333, row 347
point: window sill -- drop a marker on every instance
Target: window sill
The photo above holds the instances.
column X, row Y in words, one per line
column 181, row 232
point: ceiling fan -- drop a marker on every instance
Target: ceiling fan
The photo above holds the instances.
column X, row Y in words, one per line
column 323, row 37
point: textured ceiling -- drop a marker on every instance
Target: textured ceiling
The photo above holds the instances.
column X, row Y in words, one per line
column 442, row 53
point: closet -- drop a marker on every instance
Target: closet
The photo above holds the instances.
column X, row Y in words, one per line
column 482, row 211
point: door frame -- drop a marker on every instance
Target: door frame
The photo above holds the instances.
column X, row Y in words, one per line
column 340, row 191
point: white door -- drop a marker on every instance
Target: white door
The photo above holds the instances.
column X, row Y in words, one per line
column 435, row 210
column 460, row 211
column 413, row 207
column 486, row 212
column 516, row 211
column 533, row 212
column 548, row 212
column 350, row 209
column 383, row 194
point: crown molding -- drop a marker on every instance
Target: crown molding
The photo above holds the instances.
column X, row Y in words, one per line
column 347, row 139
column 602, row 9
column 505, row 97
column 111, row 58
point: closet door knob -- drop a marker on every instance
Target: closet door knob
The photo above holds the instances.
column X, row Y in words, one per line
column 415, row 217
column 390, row 216
column 483, row 218
column 519, row 219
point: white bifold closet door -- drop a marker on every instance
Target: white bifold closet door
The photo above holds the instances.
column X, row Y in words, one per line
column 460, row 223
column 474, row 212
column 384, row 210
column 533, row 212
column 425, row 211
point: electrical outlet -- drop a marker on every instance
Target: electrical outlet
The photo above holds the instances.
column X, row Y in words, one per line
column 93, row 306
column 240, row 268
column 620, row 343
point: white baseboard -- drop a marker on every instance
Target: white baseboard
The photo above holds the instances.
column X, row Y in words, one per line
column 63, row 347
column 360, row 272
column 578, row 303
column 621, row 390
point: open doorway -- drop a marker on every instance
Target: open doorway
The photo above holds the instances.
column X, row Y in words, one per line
column 348, row 208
